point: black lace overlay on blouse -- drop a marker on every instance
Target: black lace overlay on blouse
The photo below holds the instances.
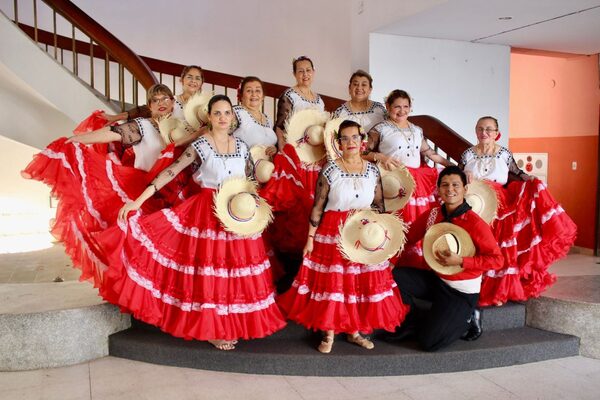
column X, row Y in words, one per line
column 321, row 197
column 284, row 109
column 131, row 133
column 373, row 140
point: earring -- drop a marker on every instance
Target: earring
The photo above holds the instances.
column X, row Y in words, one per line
column 209, row 125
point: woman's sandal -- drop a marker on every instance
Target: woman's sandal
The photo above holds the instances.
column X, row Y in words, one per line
column 225, row 345
column 361, row 341
column 326, row 344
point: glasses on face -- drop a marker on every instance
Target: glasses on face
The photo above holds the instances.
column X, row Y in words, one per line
column 346, row 139
column 486, row 130
column 161, row 100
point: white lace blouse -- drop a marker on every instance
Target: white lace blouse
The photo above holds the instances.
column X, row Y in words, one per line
column 251, row 131
column 367, row 119
column 215, row 168
column 493, row 168
column 401, row 143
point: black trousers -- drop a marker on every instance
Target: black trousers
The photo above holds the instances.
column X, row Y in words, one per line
column 446, row 321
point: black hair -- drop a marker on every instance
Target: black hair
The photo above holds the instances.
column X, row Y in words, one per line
column 348, row 124
column 301, row 58
column 361, row 74
column 218, row 97
column 452, row 170
column 397, row 94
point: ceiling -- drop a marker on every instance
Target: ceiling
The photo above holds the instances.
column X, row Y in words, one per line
column 569, row 26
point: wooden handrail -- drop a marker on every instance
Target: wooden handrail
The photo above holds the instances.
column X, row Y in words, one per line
column 442, row 135
column 439, row 133
column 118, row 50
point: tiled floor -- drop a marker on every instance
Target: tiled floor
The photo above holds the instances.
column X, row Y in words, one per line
column 114, row 378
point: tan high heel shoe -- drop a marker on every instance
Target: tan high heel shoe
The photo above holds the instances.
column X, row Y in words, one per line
column 361, row 341
column 326, row 344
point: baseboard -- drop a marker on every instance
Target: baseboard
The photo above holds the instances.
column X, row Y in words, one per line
column 581, row 250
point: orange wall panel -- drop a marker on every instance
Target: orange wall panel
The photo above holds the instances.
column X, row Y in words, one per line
column 575, row 190
column 553, row 94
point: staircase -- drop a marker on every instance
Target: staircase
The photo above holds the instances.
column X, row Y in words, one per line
column 506, row 341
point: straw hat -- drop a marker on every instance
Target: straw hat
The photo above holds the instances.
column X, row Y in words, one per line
column 446, row 236
column 331, row 143
column 304, row 130
column 263, row 167
column 370, row 238
column 482, row 199
column 195, row 110
column 398, row 186
column 172, row 129
column 240, row 209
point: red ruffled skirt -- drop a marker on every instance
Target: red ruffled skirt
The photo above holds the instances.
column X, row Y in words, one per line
column 91, row 188
column 180, row 270
column 332, row 293
column 533, row 231
column 291, row 194
column 423, row 199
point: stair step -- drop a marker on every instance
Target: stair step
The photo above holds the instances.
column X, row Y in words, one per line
column 510, row 315
column 293, row 352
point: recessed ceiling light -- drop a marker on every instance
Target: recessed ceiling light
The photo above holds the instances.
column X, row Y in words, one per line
column 504, row 18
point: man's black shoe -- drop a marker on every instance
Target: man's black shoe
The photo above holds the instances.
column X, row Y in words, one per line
column 475, row 330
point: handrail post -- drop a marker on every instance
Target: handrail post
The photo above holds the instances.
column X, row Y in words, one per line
column 122, row 86
column 107, row 76
column 35, row 29
column 16, row 9
column 92, row 63
column 55, row 35
column 75, row 69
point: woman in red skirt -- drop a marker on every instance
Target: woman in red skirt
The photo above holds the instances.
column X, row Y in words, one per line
column 532, row 229
column 395, row 142
column 92, row 185
column 331, row 293
column 179, row 268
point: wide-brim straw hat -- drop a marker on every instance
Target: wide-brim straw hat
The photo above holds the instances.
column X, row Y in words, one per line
column 195, row 110
column 446, row 236
column 371, row 238
column 172, row 129
column 332, row 146
column 398, row 186
column 263, row 166
column 240, row 209
column 482, row 199
column 304, row 130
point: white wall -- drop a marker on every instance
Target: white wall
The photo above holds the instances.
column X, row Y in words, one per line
column 240, row 37
column 38, row 93
column 371, row 15
column 456, row 82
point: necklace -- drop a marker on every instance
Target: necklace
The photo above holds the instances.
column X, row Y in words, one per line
column 358, row 109
column 409, row 138
column 221, row 155
column 355, row 175
column 310, row 96
column 485, row 162
column 256, row 115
